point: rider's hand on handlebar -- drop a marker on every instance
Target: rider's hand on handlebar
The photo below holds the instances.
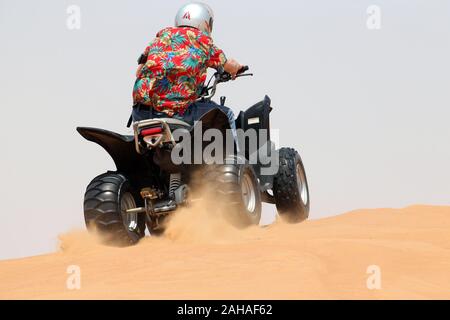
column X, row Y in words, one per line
column 232, row 67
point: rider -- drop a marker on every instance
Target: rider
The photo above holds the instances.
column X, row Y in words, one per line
column 172, row 70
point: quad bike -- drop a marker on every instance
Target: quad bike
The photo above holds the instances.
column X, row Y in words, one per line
column 148, row 187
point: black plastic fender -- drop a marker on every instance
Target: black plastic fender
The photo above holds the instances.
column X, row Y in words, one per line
column 120, row 148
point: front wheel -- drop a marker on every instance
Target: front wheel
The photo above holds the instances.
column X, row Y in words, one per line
column 290, row 187
column 106, row 201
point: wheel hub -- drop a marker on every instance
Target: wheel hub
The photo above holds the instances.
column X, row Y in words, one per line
column 130, row 220
column 248, row 193
column 301, row 181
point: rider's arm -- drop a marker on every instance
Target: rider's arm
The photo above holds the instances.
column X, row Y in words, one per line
column 218, row 59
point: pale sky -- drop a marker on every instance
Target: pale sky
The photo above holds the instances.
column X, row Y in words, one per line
column 368, row 110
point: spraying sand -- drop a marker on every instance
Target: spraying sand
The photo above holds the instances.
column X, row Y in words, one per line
column 203, row 258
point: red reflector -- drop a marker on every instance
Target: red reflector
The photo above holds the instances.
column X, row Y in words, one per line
column 151, row 131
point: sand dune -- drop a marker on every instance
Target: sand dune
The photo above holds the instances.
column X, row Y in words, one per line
column 326, row 258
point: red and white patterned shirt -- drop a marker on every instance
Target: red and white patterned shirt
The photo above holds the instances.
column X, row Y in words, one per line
column 175, row 71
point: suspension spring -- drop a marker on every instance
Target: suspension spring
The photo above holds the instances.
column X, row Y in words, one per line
column 175, row 182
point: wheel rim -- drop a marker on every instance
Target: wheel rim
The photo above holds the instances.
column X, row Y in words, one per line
column 248, row 193
column 129, row 219
column 302, row 185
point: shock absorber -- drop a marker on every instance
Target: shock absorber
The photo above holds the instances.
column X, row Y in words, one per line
column 174, row 184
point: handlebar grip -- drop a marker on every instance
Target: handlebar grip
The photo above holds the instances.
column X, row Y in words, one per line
column 243, row 69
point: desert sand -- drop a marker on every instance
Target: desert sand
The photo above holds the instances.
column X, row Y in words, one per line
column 200, row 259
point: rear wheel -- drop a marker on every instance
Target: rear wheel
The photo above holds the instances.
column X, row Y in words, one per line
column 236, row 187
column 106, row 201
column 290, row 188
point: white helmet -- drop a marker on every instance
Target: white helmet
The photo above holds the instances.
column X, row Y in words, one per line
column 197, row 15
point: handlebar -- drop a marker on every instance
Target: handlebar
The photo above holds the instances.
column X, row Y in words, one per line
column 243, row 69
column 224, row 76
column 219, row 77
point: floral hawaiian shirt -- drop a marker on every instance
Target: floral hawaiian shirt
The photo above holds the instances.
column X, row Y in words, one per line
column 175, row 71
